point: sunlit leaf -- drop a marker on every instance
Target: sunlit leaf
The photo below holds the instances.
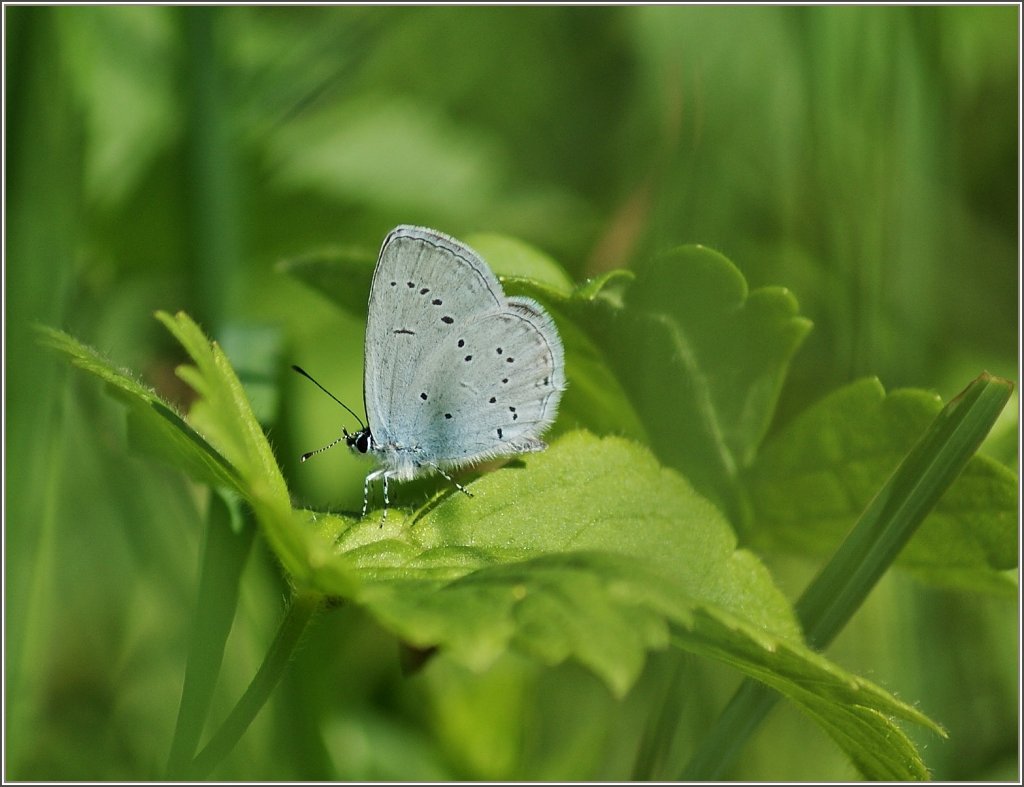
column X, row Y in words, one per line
column 703, row 360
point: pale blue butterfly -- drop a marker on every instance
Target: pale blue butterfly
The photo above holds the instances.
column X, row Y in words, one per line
column 455, row 373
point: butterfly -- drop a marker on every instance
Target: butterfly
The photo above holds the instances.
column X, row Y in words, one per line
column 455, row 373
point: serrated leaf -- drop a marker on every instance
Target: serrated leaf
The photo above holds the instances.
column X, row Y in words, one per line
column 593, row 552
column 857, row 714
column 606, row 610
column 220, row 443
column 222, row 411
column 888, row 522
column 813, row 479
column 703, row 360
column 583, row 493
column 589, row 551
column 155, row 428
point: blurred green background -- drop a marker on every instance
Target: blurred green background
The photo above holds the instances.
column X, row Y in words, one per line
column 865, row 158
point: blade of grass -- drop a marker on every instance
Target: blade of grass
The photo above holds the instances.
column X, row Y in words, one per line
column 214, row 199
column 656, row 743
column 42, row 180
column 223, row 741
column 223, row 559
column 895, row 513
column 881, row 532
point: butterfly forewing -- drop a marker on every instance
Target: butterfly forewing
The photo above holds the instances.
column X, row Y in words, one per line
column 425, row 285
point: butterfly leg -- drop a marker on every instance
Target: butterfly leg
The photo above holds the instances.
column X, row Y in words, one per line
column 458, row 486
column 383, row 475
column 370, row 478
column 366, row 493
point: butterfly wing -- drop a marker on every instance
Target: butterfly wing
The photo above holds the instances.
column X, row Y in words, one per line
column 426, row 286
column 455, row 373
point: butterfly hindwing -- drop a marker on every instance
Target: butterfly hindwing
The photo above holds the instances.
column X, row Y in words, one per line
column 499, row 390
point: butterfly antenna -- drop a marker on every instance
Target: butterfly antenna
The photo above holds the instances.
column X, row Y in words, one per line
column 309, row 377
column 333, row 443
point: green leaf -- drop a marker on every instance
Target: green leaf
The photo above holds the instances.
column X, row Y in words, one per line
column 813, row 479
column 703, row 360
column 604, row 610
column 858, row 715
column 220, row 444
column 589, row 551
column 222, row 411
column 583, row 493
column 155, row 428
column 888, row 522
column 512, row 258
column 341, row 275
column 592, row 551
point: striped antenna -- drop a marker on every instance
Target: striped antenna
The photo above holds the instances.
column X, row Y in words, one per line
column 333, row 443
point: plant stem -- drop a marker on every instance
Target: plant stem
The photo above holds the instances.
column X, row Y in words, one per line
column 223, row 559
column 223, row 741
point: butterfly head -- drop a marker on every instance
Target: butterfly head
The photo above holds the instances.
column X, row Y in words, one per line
column 358, row 442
